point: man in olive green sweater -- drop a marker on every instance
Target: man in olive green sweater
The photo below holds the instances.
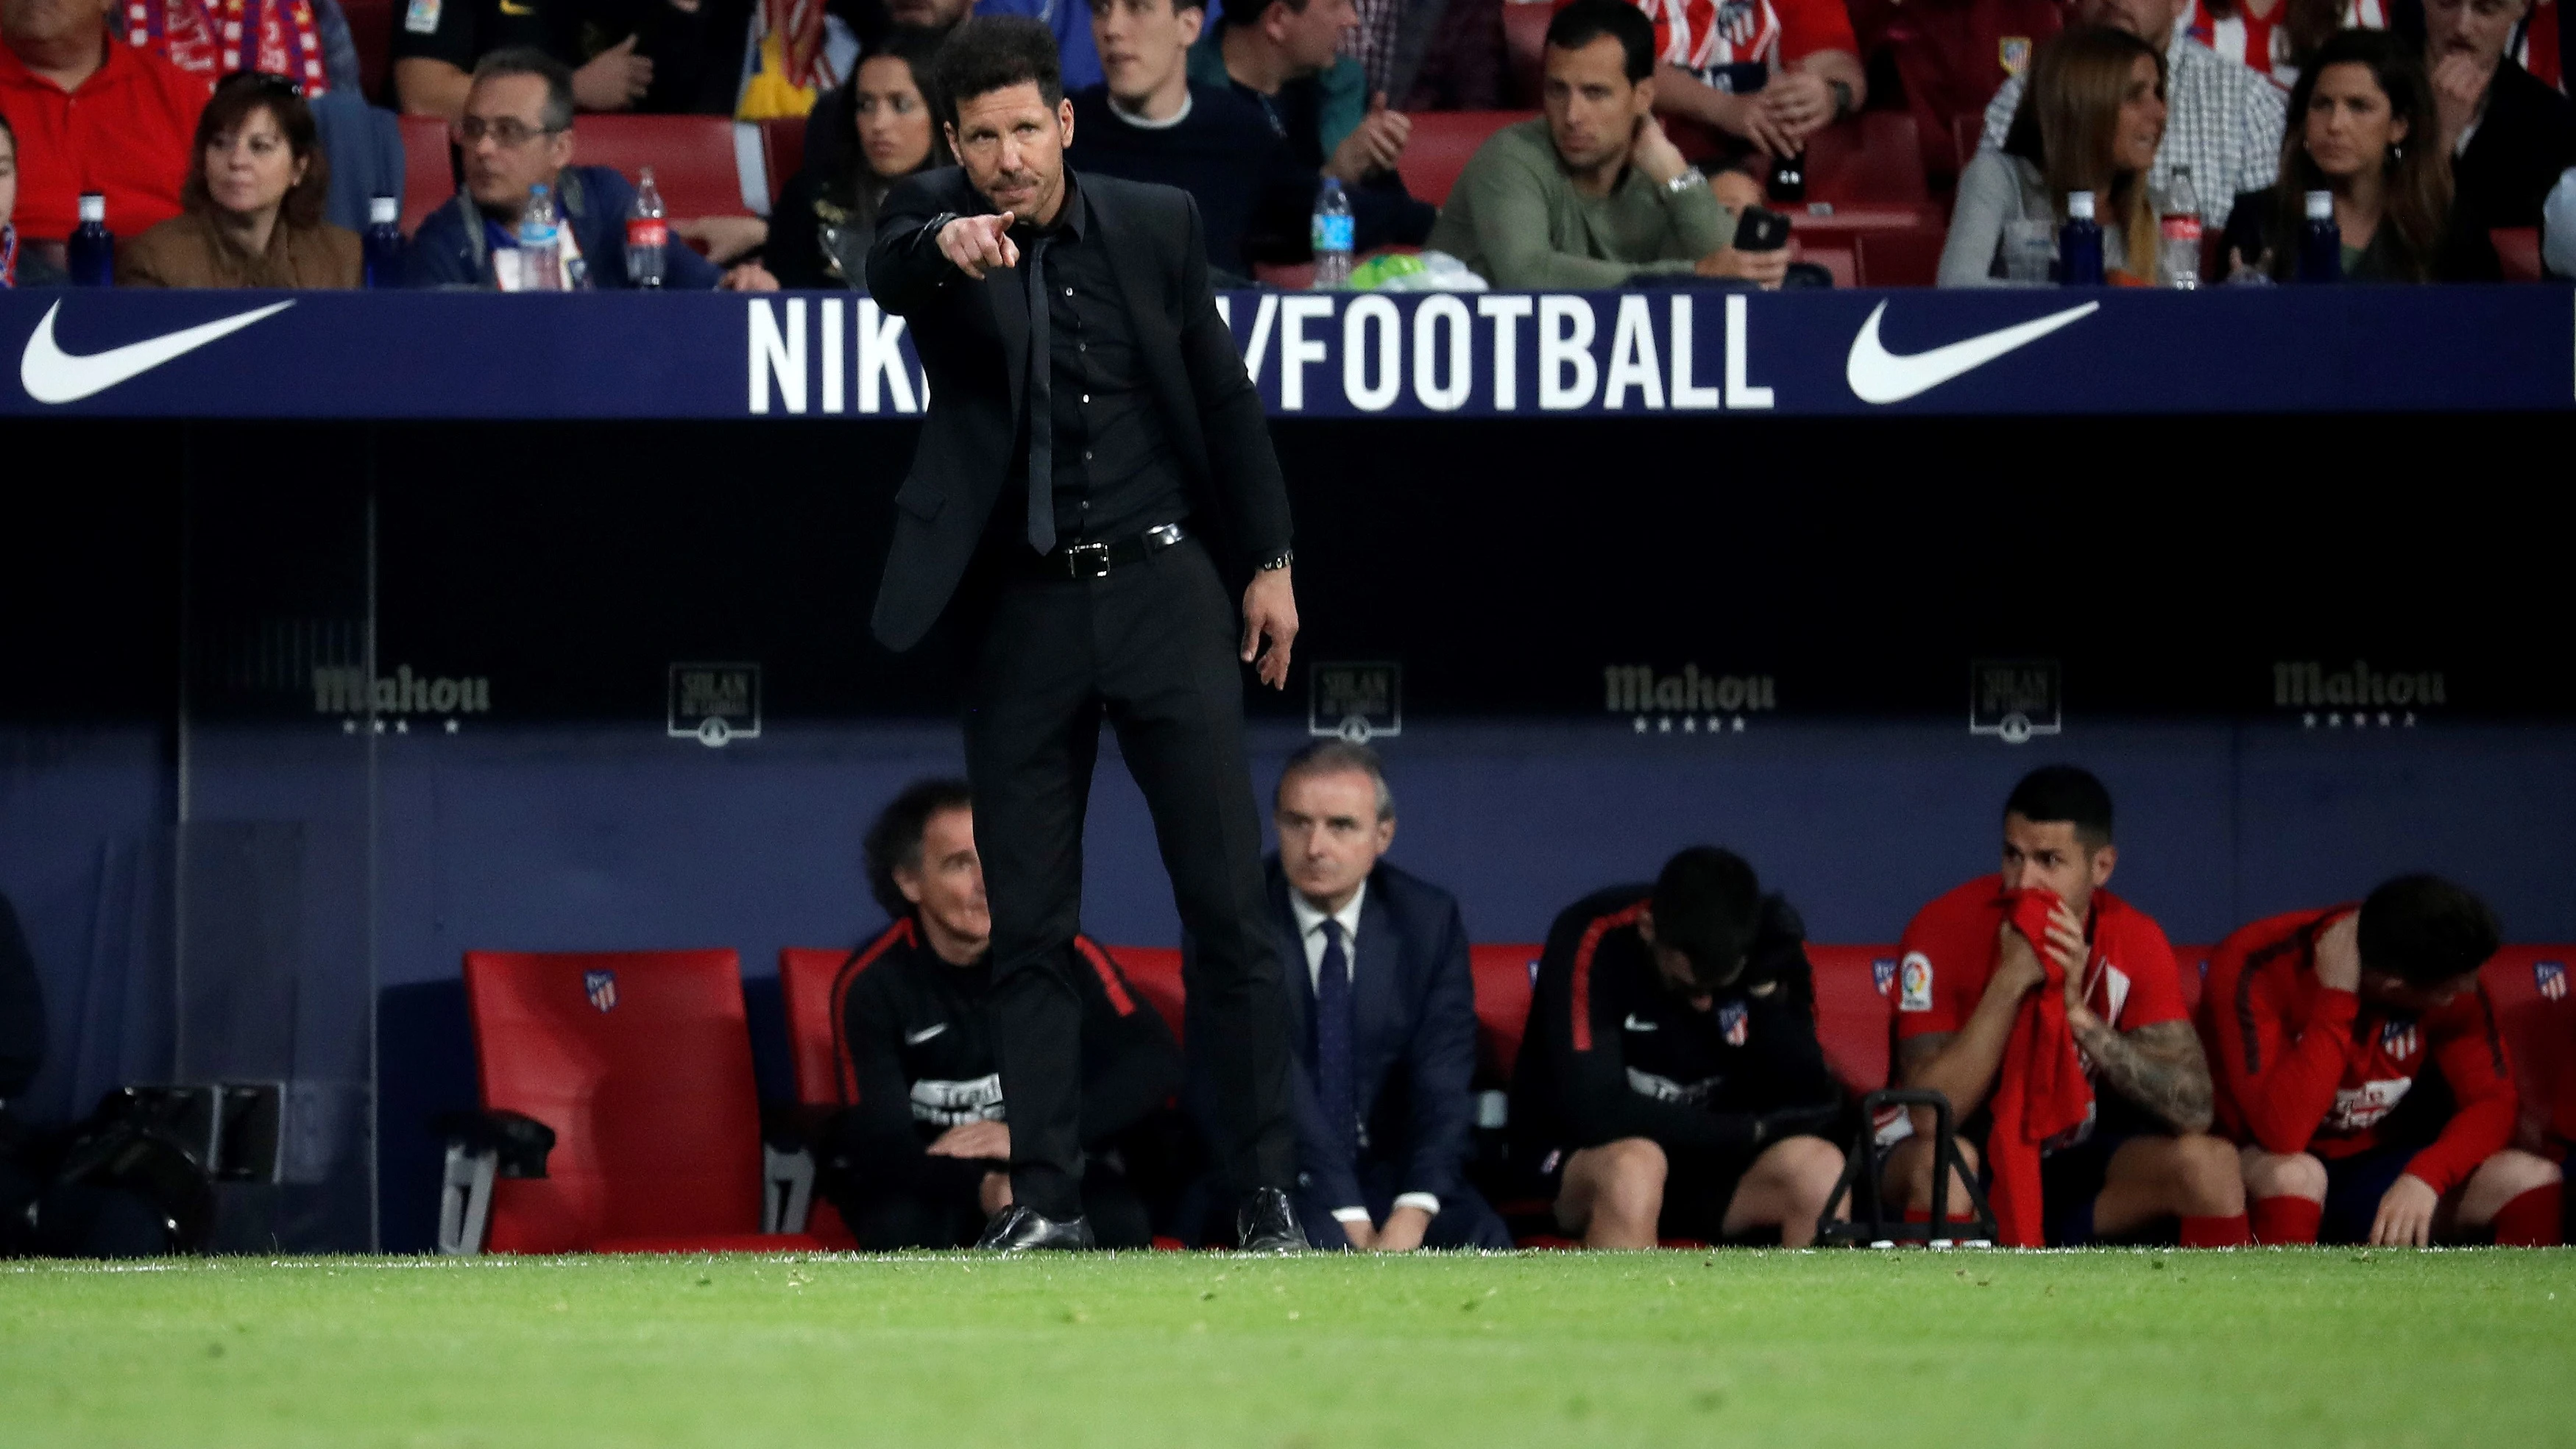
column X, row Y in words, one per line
column 1591, row 194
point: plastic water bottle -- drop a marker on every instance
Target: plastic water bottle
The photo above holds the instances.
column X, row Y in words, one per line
column 2079, row 243
column 2178, row 219
column 540, row 244
column 646, row 234
column 1334, row 232
column 2321, row 241
column 90, row 253
column 384, row 242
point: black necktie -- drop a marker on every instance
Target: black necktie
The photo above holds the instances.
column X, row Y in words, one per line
column 1041, row 402
column 1336, row 1080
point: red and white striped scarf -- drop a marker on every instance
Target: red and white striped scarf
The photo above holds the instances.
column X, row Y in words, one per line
column 216, row 38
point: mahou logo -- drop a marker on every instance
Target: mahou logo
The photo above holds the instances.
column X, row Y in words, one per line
column 398, row 696
column 2359, row 696
column 1692, row 701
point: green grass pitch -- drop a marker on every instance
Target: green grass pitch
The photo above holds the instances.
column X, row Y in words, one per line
column 2092, row 1350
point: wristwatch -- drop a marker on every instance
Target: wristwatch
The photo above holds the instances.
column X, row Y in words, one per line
column 1681, row 185
column 1844, row 102
column 1286, row 557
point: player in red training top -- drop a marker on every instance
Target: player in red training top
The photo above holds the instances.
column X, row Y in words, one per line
column 2360, row 1065
column 2139, row 1156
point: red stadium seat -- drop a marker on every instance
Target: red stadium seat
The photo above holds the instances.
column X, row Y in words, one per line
column 2534, row 991
column 805, row 978
column 371, row 27
column 1504, row 975
column 1875, row 157
column 703, row 165
column 640, row 1062
column 1441, row 143
column 429, row 169
column 1525, row 49
column 1854, row 1010
column 2518, row 247
column 1155, row 972
column 1900, row 256
column 782, row 141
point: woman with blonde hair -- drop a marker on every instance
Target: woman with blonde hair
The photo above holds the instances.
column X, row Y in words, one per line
column 253, row 201
column 2090, row 121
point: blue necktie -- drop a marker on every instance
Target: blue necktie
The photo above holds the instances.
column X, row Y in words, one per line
column 1335, row 1088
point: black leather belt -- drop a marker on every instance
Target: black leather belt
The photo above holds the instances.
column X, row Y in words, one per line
column 1096, row 560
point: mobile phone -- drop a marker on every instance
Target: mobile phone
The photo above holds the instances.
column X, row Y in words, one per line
column 1761, row 229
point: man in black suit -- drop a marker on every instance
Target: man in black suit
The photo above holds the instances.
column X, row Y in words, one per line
column 1093, row 450
column 1382, row 1019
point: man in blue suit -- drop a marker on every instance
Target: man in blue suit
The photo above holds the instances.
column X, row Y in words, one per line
column 1382, row 1019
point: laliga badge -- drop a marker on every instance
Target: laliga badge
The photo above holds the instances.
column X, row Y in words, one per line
column 420, row 17
column 1914, row 983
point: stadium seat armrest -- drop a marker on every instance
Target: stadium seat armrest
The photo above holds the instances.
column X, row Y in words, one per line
column 786, row 1187
column 519, row 1142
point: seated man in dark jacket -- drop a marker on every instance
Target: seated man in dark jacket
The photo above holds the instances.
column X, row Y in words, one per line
column 1671, row 1084
column 1147, row 122
column 1382, row 1016
column 517, row 135
column 921, row 1157
column 2509, row 135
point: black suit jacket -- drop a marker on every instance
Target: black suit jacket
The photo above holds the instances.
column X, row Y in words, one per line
column 1414, row 1047
column 2526, row 138
column 973, row 341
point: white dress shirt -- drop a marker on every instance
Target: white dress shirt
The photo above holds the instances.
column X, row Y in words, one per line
column 1310, row 931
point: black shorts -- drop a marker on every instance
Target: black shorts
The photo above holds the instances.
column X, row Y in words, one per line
column 1698, row 1187
column 2069, row 1182
column 2354, row 1186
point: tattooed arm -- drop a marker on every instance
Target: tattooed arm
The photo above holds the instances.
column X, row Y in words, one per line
column 2158, row 1067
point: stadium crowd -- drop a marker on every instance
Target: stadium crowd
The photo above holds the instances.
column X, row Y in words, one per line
column 233, row 142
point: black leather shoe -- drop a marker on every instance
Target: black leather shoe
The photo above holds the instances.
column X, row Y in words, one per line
column 1018, row 1229
column 1265, row 1223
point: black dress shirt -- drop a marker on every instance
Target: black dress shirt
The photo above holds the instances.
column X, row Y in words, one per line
column 1115, row 475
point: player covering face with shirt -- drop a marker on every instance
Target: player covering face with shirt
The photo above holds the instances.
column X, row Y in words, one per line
column 2139, row 1153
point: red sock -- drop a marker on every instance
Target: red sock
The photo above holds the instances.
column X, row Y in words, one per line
column 2226, row 1232
column 2284, row 1221
column 2530, row 1220
column 1924, row 1215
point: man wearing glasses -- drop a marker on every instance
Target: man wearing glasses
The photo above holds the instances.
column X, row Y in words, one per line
column 516, row 135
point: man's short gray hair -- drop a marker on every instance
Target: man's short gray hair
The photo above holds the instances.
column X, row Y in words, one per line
column 1332, row 757
column 528, row 60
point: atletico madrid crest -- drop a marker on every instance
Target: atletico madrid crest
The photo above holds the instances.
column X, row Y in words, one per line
column 2551, row 978
column 1730, row 1020
column 601, row 987
column 2398, row 1039
column 1882, row 973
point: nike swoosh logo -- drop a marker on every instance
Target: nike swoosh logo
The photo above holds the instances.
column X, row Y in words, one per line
column 1633, row 1024
column 1877, row 375
column 52, row 375
column 916, row 1038
column 509, row 9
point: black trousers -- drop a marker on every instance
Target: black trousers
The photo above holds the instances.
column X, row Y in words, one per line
column 1150, row 648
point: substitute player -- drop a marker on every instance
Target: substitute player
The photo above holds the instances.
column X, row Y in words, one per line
column 2136, row 1154
column 1671, row 1082
column 2360, row 1065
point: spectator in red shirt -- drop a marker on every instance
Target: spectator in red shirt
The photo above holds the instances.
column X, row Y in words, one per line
column 1767, row 72
column 91, row 114
column 2141, row 1156
column 2360, row 1065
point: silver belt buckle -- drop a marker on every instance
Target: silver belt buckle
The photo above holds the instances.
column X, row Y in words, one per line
column 1087, row 560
